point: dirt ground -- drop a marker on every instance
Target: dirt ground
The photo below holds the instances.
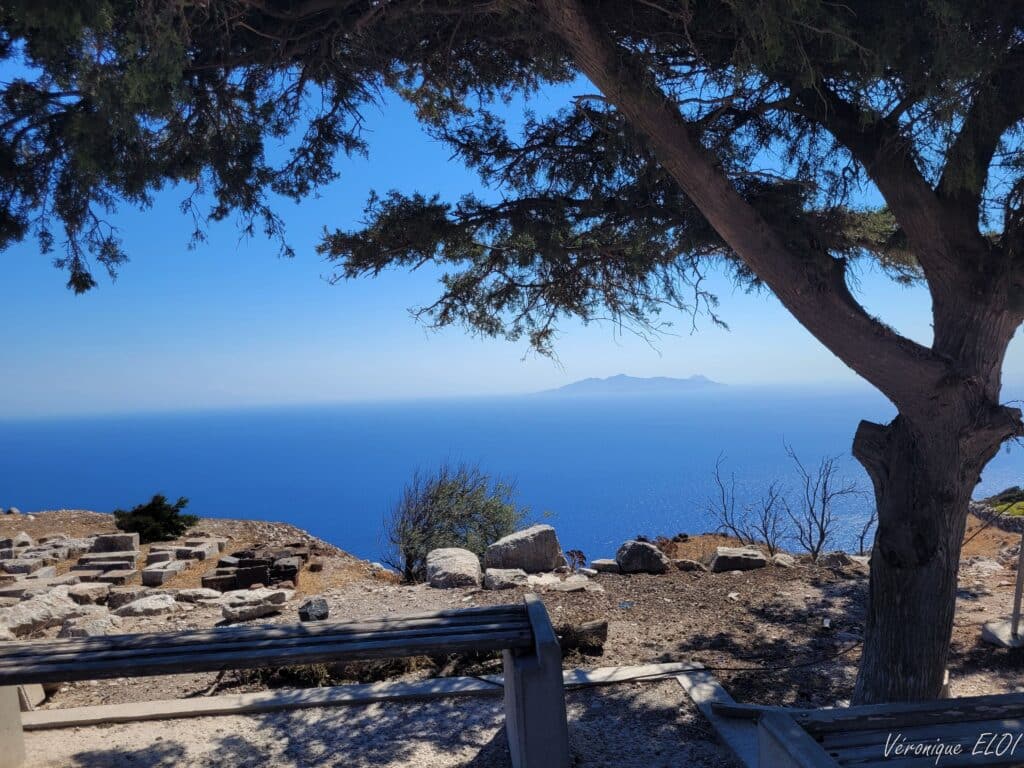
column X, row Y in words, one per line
column 775, row 635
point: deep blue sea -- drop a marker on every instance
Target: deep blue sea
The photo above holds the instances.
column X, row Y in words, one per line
column 598, row 469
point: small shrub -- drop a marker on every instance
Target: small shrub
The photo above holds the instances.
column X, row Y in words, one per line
column 156, row 520
column 453, row 507
column 576, row 558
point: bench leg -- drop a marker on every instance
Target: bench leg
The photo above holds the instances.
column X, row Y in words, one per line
column 535, row 720
column 12, row 741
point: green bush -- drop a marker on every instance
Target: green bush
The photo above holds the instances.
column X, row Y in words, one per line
column 453, row 507
column 156, row 520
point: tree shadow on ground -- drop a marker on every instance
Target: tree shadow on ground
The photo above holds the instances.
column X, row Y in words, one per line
column 646, row 721
column 787, row 651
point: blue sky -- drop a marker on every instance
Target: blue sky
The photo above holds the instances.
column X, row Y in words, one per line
column 230, row 324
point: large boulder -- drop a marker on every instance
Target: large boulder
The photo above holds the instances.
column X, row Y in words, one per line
column 505, row 578
column 737, row 559
column 642, row 557
column 605, row 565
column 452, row 567
column 534, row 549
column 46, row 610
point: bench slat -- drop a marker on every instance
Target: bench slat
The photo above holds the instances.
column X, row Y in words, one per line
column 883, row 716
column 216, row 659
column 186, row 637
column 56, row 654
column 42, row 649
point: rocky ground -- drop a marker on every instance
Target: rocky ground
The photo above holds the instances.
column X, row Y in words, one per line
column 787, row 635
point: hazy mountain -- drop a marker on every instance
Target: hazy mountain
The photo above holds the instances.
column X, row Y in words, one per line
column 633, row 385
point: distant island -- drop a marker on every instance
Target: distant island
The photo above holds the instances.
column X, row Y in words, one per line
column 634, row 385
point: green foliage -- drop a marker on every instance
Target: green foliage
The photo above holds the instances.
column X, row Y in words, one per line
column 1009, row 501
column 452, row 507
column 156, row 520
column 111, row 100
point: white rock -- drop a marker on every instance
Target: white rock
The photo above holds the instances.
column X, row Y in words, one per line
column 151, row 605
column 248, row 611
column 90, row 593
column 782, row 560
column 534, row 549
column 453, row 567
column 737, row 559
column 504, row 578
column 195, row 595
column 91, row 626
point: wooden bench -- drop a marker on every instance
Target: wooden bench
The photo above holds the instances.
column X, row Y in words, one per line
column 976, row 731
column 535, row 719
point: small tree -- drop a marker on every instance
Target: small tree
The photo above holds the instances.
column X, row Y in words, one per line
column 453, row 507
column 156, row 520
column 722, row 507
column 868, row 525
column 757, row 523
column 814, row 517
column 766, row 523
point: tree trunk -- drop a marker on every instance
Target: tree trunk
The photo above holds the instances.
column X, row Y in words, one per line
column 923, row 480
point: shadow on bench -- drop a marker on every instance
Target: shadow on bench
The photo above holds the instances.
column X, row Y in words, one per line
column 535, row 719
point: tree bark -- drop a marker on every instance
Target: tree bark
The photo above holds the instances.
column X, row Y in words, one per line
column 923, row 479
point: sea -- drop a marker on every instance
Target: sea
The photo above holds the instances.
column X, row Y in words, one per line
column 600, row 469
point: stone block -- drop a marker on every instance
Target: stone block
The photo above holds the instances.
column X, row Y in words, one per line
column 246, row 577
column 224, row 583
column 505, row 578
column 737, row 559
column 159, row 557
column 46, row 572
column 116, row 542
column 286, row 569
column 89, row 594
column 604, row 565
column 6, row 553
column 161, row 572
column 21, row 565
column 227, row 561
column 129, row 558
column 119, row 596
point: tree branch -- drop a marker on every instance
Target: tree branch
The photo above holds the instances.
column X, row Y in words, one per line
column 997, row 106
column 811, row 286
column 888, row 158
